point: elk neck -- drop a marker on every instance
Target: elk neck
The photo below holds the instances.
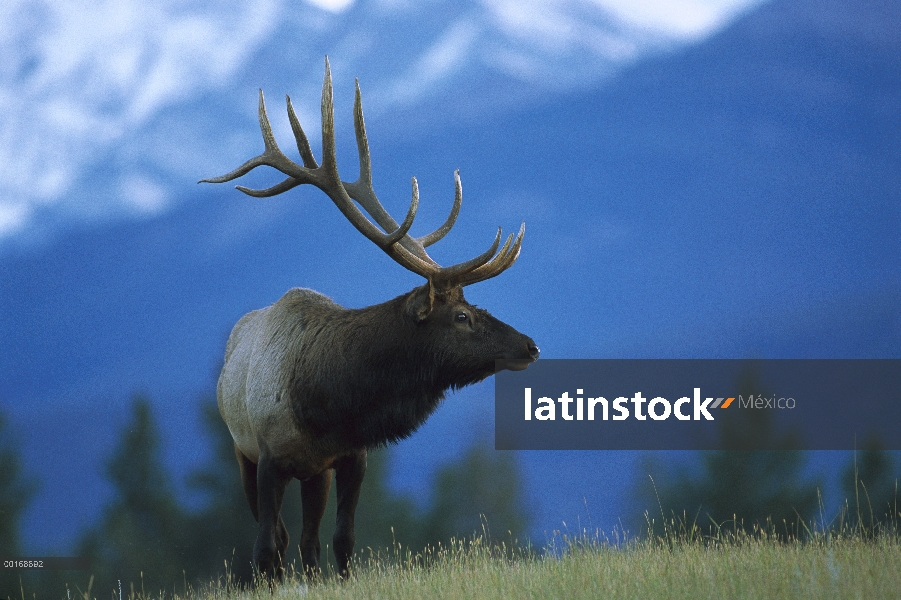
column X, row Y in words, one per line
column 368, row 376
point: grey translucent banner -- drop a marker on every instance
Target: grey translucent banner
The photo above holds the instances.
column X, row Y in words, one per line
column 699, row 405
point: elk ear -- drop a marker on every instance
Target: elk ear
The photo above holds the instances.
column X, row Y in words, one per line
column 420, row 302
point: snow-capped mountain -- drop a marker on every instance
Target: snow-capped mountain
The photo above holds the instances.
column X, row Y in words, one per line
column 107, row 105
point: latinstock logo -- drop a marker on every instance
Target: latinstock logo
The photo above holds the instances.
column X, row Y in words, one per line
column 658, row 409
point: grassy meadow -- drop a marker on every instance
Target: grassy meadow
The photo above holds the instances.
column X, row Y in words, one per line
column 676, row 565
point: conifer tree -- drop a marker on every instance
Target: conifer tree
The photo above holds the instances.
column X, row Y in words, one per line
column 480, row 494
column 16, row 491
column 142, row 537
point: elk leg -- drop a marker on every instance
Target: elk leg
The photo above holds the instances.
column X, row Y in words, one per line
column 314, row 491
column 248, row 480
column 349, row 473
column 282, row 537
column 272, row 538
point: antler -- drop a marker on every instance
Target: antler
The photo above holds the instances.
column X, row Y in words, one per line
column 394, row 241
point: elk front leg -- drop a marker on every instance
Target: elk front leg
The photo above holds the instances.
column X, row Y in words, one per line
column 314, row 492
column 349, row 473
column 272, row 538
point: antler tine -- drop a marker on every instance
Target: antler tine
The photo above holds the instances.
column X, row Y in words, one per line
column 500, row 263
column 362, row 140
column 428, row 240
column 303, row 145
column 361, row 190
column 444, row 276
column 275, row 190
column 329, row 158
column 408, row 221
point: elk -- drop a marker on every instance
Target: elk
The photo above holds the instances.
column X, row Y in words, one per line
column 308, row 386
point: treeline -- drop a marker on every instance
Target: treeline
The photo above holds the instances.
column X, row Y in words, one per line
column 769, row 491
column 742, row 488
column 148, row 540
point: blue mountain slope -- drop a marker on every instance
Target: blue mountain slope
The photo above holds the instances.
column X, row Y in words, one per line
column 736, row 199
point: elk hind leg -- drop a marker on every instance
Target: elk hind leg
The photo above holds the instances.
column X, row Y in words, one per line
column 272, row 537
column 349, row 473
column 314, row 492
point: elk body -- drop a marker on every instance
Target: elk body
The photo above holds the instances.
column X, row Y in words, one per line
column 307, row 385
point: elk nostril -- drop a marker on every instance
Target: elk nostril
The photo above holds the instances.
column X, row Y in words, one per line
column 534, row 351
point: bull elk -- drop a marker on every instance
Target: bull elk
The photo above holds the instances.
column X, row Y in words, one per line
column 307, row 385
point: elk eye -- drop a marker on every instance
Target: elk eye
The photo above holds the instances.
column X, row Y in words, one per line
column 461, row 317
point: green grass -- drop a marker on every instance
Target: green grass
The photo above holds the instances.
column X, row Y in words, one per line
column 725, row 565
column 725, row 561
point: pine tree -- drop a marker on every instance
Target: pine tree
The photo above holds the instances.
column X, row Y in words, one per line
column 142, row 537
column 478, row 495
column 16, row 491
